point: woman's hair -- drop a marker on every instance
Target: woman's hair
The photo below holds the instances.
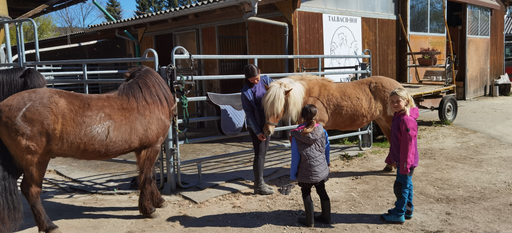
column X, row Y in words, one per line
column 404, row 95
column 250, row 71
column 308, row 115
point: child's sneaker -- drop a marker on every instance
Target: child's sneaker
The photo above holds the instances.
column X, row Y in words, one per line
column 406, row 216
column 392, row 218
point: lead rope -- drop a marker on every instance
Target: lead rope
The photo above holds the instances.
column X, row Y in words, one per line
column 186, row 116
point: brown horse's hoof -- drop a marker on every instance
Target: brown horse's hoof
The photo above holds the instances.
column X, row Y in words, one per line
column 161, row 203
column 55, row 230
column 153, row 214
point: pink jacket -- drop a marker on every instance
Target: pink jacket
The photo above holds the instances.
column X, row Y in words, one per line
column 404, row 149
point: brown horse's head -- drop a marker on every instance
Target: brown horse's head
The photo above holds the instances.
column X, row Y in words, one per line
column 283, row 99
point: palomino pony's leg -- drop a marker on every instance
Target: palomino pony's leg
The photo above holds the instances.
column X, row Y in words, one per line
column 149, row 197
column 31, row 186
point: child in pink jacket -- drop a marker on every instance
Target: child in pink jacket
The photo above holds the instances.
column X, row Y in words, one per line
column 403, row 152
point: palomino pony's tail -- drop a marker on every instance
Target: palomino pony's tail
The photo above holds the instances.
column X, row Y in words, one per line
column 19, row 79
column 10, row 201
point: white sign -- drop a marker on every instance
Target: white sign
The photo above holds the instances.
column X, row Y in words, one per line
column 342, row 36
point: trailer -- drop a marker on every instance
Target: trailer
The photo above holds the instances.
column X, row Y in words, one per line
column 437, row 82
column 447, row 108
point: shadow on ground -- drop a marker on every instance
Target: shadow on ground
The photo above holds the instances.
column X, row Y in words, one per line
column 278, row 218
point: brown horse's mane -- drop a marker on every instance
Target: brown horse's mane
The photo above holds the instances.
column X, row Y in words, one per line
column 19, row 79
column 146, row 86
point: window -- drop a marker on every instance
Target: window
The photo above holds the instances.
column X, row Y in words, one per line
column 508, row 51
column 479, row 21
column 427, row 16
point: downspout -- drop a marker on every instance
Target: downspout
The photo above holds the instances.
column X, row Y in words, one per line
column 135, row 42
column 250, row 16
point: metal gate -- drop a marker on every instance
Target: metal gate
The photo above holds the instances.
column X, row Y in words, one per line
column 180, row 82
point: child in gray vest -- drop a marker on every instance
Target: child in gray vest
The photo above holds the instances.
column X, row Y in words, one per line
column 310, row 164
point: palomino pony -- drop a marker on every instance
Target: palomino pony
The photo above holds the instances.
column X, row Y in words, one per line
column 39, row 124
column 341, row 106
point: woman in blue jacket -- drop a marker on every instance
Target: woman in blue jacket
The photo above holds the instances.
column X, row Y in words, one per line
column 252, row 95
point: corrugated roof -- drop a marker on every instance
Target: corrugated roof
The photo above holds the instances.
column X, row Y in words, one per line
column 169, row 11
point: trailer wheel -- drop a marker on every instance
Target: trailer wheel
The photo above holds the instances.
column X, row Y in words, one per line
column 448, row 109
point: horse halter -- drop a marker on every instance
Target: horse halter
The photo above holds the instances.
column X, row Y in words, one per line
column 270, row 123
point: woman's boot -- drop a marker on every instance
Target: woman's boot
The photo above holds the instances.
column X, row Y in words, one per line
column 259, row 184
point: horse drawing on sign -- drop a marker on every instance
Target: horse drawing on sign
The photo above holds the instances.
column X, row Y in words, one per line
column 38, row 124
column 341, row 106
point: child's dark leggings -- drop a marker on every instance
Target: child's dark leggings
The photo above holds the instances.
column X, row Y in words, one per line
column 320, row 189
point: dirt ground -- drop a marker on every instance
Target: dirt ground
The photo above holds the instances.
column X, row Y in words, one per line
column 462, row 184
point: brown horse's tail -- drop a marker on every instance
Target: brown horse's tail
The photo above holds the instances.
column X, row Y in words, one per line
column 10, row 201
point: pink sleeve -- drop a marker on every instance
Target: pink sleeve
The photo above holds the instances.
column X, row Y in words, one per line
column 389, row 160
column 408, row 134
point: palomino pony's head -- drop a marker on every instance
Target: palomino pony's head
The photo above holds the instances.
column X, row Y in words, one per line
column 283, row 99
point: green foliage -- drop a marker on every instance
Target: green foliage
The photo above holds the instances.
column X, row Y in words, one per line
column 377, row 151
column 383, row 144
column 142, row 7
column 345, row 156
column 344, row 141
column 177, row 3
column 114, row 9
column 441, row 123
column 46, row 28
column 152, row 6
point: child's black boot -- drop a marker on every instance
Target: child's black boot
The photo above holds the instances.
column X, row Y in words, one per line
column 325, row 217
column 309, row 209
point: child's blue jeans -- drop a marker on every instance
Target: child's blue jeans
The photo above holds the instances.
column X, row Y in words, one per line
column 403, row 190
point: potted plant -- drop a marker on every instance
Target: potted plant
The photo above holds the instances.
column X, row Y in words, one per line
column 428, row 58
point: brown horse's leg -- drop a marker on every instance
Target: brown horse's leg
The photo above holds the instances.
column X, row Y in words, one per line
column 31, row 186
column 385, row 127
column 149, row 195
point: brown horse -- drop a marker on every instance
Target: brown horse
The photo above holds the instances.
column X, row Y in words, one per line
column 341, row 106
column 39, row 124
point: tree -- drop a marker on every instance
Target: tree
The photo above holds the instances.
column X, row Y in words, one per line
column 152, row 6
column 46, row 28
column 177, row 3
column 142, row 7
column 114, row 9
column 78, row 17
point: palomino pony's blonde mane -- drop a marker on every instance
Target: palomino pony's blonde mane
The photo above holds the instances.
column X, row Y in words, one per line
column 275, row 100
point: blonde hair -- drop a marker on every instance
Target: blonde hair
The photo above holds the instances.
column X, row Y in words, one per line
column 275, row 100
column 404, row 95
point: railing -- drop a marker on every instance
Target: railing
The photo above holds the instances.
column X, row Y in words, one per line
column 173, row 142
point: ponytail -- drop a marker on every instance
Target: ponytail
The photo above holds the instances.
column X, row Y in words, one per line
column 308, row 115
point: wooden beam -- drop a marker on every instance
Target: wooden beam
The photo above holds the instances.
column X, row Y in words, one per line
column 286, row 8
column 296, row 4
column 48, row 8
column 266, row 2
column 38, row 9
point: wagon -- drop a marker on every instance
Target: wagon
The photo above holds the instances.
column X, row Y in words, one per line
column 447, row 108
column 435, row 84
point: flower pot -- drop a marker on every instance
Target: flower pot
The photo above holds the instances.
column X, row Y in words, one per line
column 427, row 61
